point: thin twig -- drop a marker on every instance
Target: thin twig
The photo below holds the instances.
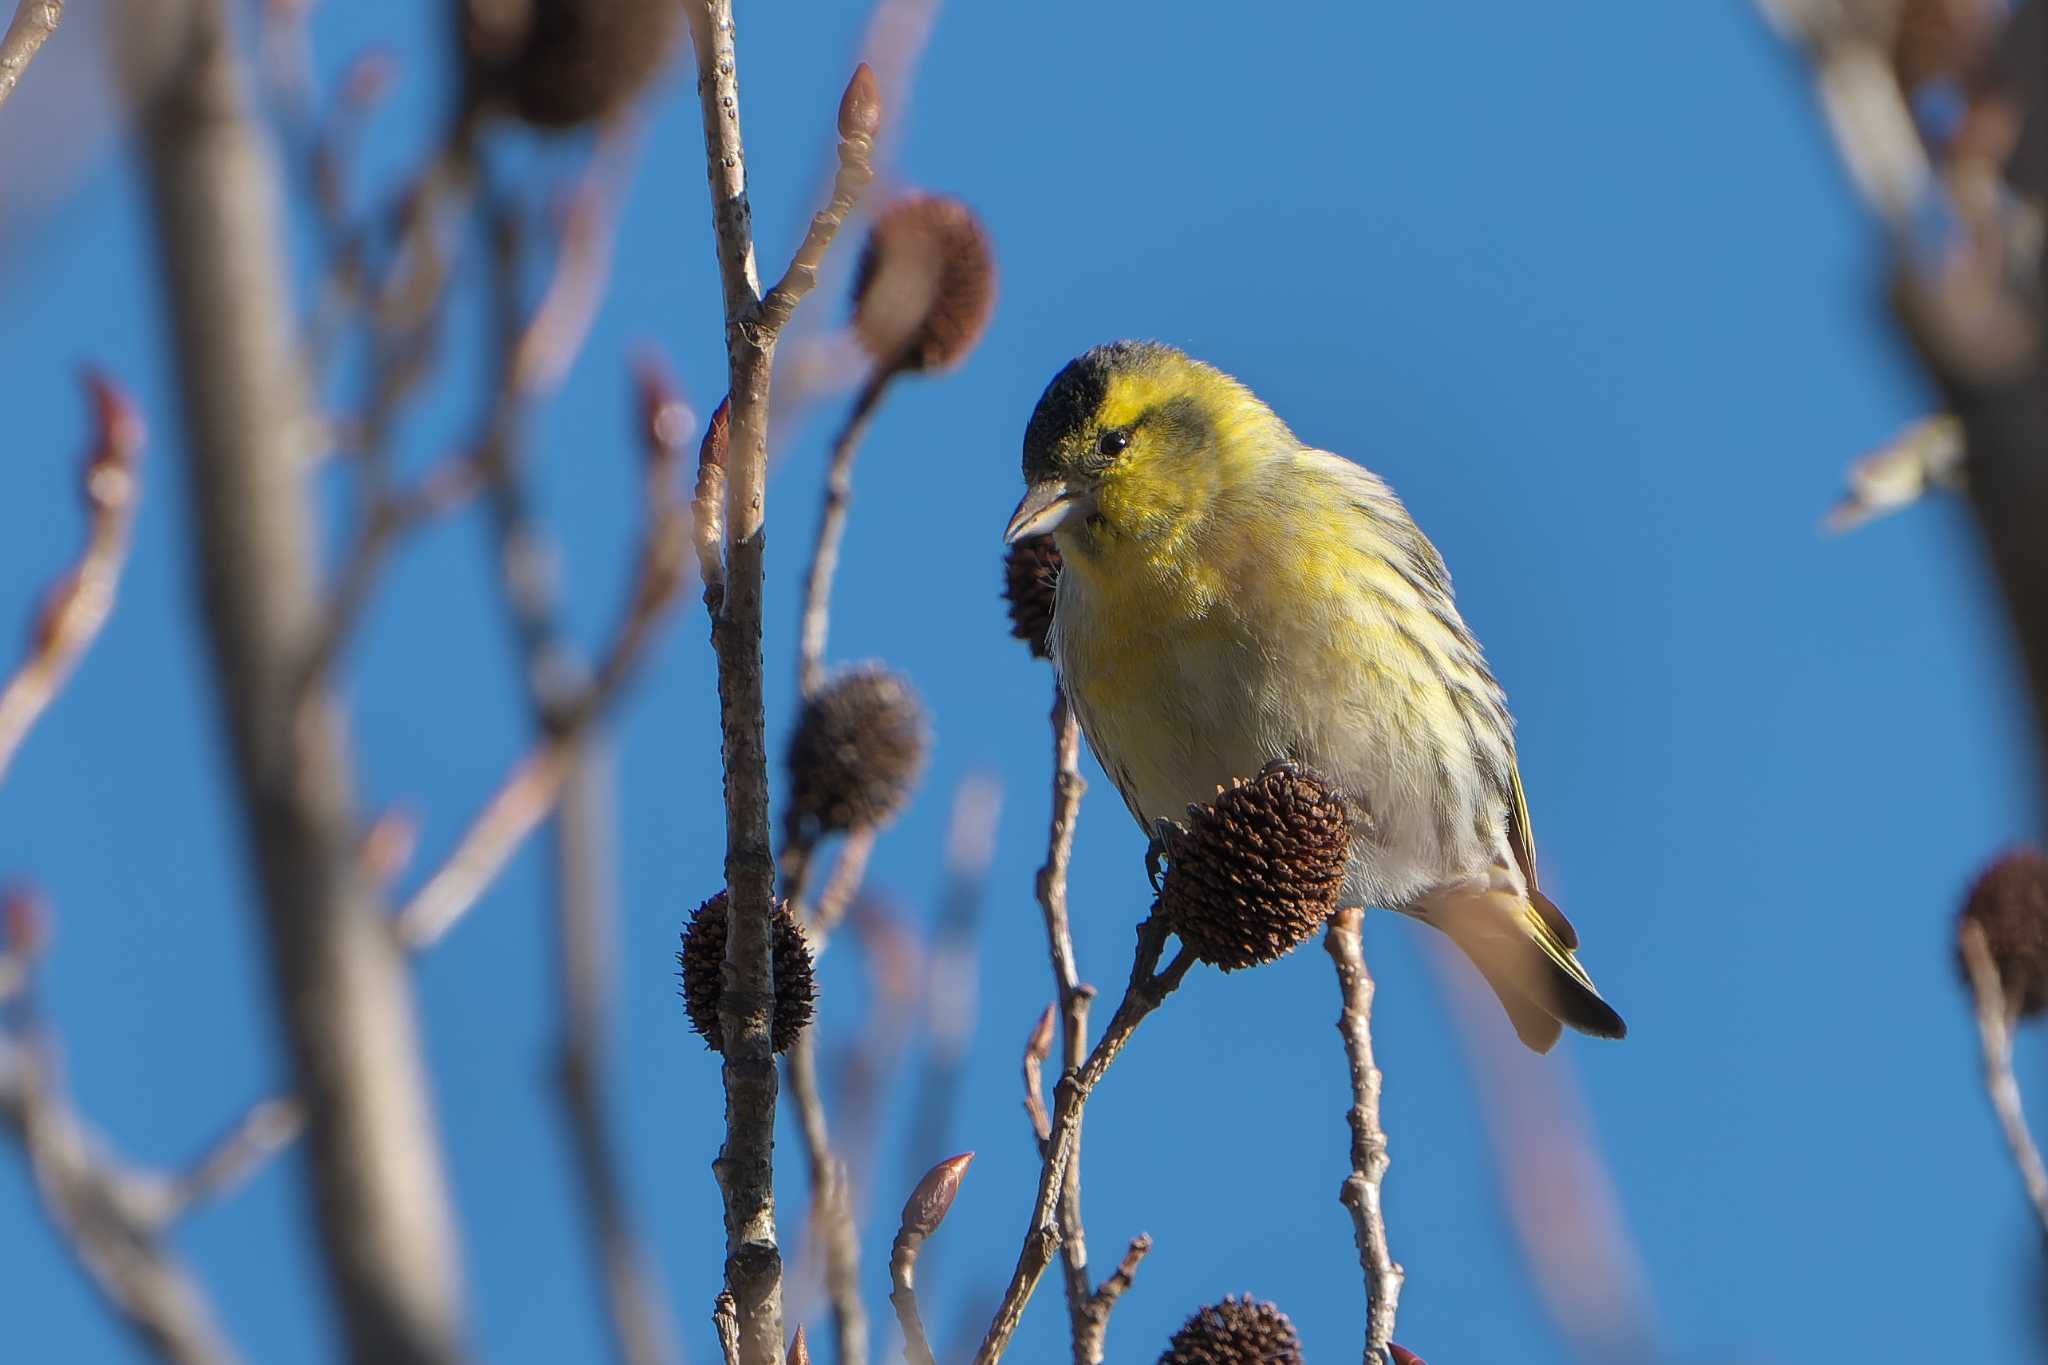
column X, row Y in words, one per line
column 1088, row 1307
column 78, row 605
column 567, row 712
column 952, row 968
column 725, row 1320
column 265, row 1129
column 1994, row 1031
column 1361, row 1191
column 529, row 794
column 745, row 1165
column 816, row 619
column 832, row 1200
column 112, row 1218
column 34, row 22
column 917, row 1350
column 930, row 1201
column 552, row 337
column 1042, row 1237
column 832, row 1214
column 1036, row 1048
column 841, row 886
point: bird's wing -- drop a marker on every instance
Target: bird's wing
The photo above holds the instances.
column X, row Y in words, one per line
column 1420, row 563
column 1522, row 840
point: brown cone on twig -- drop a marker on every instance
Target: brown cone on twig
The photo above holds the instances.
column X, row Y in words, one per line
column 702, row 961
column 1237, row 1331
column 1031, row 572
column 856, row 756
column 564, row 63
column 2009, row 903
column 1257, row 871
column 925, row 285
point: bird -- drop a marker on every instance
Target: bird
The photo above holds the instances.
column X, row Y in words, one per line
column 1229, row 597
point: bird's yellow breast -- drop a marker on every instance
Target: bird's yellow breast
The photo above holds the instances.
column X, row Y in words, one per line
column 1268, row 631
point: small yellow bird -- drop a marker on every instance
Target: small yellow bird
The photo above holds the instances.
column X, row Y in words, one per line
column 1229, row 596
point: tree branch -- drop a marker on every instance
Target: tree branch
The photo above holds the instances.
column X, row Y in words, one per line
column 79, row 603
column 1088, row 1307
column 817, row 608
column 1143, row 995
column 832, row 1216
column 385, row 1228
column 34, row 22
column 113, row 1219
column 923, row 1212
column 1361, row 1193
column 745, row 1165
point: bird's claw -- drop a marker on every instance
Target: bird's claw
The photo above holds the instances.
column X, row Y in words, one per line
column 1155, row 851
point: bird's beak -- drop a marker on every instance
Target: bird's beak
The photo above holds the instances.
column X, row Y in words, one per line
column 1046, row 504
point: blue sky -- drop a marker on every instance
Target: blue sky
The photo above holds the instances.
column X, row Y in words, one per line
column 1583, row 282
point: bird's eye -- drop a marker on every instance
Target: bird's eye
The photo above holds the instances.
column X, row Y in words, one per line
column 1111, row 443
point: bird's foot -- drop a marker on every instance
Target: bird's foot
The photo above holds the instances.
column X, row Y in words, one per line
column 1155, row 851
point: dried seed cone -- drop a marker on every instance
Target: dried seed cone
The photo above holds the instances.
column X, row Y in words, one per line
column 1257, row 871
column 2010, row 904
column 925, row 285
column 857, row 753
column 702, row 962
column 1237, row 1331
column 565, row 63
column 1031, row 571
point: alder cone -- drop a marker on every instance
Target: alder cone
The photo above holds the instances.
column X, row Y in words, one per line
column 1237, row 1331
column 1257, row 871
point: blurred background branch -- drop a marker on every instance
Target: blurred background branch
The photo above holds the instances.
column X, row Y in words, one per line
column 116, row 1219
column 77, row 605
column 386, row 1230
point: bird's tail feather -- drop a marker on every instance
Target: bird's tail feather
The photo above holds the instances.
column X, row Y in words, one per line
column 1529, row 965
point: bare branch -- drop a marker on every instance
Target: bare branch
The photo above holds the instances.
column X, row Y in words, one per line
column 1994, row 1031
column 841, row 887
column 952, row 972
column 548, row 344
column 923, row 1212
column 1147, row 988
column 817, row 601
column 34, row 22
column 1088, row 1308
column 78, row 605
column 832, row 1215
column 111, row 1218
column 586, row 924
column 860, row 115
column 745, row 1166
column 1361, row 1192
column 269, row 1126
column 1036, row 1048
column 343, row 994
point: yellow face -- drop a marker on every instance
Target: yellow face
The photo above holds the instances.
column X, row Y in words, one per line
column 1132, row 442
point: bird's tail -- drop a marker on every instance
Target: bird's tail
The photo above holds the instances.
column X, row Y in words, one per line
column 1523, row 947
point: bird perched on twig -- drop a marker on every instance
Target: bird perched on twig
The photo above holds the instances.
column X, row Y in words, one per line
column 1230, row 597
